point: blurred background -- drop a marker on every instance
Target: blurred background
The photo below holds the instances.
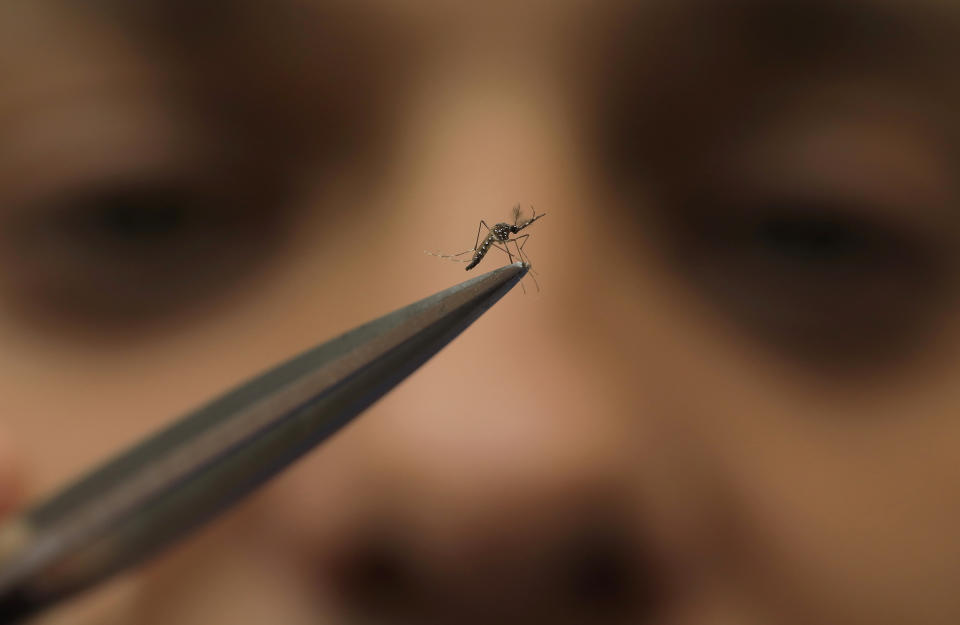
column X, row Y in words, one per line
column 733, row 399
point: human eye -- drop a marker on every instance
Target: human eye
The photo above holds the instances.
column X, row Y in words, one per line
column 810, row 198
column 116, row 254
column 149, row 169
column 816, row 279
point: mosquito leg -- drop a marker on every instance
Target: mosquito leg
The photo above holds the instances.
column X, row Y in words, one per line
column 533, row 276
column 505, row 250
column 483, row 224
column 519, row 246
column 453, row 257
column 516, row 241
column 505, row 246
column 477, row 242
column 525, row 258
column 525, row 237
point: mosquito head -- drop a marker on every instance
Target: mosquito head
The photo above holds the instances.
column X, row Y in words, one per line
column 520, row 226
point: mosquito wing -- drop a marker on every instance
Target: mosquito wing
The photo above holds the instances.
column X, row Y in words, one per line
column 517, row 214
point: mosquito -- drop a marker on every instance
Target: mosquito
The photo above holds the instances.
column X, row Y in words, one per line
column 499, row 236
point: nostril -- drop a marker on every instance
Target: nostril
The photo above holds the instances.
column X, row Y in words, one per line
column 376, row 573
column 604, row 574
column 581, row 572
column 598, row 575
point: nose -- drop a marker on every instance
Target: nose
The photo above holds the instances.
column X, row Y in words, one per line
column 491, row 486
column 497, row 495
column 481, row 489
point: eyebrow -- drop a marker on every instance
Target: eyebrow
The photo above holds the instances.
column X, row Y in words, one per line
column 795, row 33
column 857, row 33
column 675, row 76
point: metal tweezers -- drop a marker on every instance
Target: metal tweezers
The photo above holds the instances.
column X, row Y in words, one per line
column 156, row 492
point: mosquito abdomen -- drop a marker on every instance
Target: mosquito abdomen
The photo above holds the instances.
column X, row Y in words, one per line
column 477, row 257
column 481, row 252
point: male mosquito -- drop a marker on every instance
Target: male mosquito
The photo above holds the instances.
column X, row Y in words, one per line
column 499, row 236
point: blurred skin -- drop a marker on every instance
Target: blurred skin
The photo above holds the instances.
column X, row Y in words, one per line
column 734, row 400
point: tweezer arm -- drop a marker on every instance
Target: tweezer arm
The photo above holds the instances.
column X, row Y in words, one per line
column 157, row 491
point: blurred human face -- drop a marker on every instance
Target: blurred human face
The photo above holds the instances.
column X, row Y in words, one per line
column 733, row 400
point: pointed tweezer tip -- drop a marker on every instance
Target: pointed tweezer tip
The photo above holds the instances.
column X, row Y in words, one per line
column 495, row 283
